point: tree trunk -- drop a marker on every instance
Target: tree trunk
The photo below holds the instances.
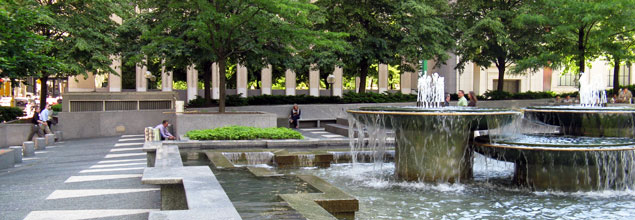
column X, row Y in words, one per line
column 207, row 81
column 581, row 50
column 221, row 83
column 616, row 76
column 43, row 91
column 363, row 73
column 501, row 73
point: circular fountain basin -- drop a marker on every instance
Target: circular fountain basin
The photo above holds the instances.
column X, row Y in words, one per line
column 432, row 145
column 564, row 163
column 587, row 121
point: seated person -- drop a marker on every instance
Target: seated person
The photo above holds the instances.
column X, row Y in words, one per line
column 163, row 130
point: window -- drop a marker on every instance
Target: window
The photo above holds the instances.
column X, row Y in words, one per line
column 625, row 76
column 568, row 79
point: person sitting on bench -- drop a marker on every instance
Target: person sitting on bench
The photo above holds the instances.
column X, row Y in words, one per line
column 163, row 130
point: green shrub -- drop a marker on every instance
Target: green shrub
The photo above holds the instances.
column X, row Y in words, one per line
column 197, row 102
column 497, row 95
column 56, row 107
column 243, row 133
column 10, row 113
column 235, row 100
column 371, row 97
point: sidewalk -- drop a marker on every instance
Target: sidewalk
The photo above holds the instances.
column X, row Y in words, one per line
column 80, row 179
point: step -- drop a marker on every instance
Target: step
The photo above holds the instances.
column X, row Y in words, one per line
column 342, row 121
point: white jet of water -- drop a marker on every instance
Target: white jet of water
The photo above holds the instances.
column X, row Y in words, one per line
column 592, row 90
column 431, row 90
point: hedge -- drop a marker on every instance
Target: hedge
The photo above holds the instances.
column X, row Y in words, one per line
column 243, row 133
column 10, row 113
column 350, row 97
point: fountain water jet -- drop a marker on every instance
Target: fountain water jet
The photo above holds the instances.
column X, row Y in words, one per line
column 432, row 143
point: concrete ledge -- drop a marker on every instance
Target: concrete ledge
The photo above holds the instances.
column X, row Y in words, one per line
column 40, row 143
column 333, row 200
column 204, row 196
column 218, row 160
column 28, row 148
column 17, row 152
column 263, row 172
column 7, row 158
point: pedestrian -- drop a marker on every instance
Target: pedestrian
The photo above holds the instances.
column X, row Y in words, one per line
column 462, row 101
column 473, row 99
column 447, row 100
column 45, row 116
column 294, row 116
column 36, row 124
column 163, row 131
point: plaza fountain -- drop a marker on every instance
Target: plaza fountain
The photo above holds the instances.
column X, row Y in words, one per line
column 594, row 150
column 432, row 143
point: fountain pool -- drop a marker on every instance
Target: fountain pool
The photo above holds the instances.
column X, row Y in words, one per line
column 490, row 195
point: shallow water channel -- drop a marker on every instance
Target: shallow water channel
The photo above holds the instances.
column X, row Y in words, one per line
column 491, row 195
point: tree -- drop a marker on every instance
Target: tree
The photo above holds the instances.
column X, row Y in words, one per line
column 619, row 45
column 495, row 32
column 21, row 49
column 232, row 30
column 383, row 31
column 81, row 35
column 577, row 30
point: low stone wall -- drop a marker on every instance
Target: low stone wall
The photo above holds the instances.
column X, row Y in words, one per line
column 186, row 122
column 111, row 123
column 13, row 134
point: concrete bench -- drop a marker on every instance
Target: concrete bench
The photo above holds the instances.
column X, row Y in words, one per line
column 7, row 158
column 191, row 192
column 315, row 122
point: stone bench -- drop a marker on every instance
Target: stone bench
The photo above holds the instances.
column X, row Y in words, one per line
column 7, row 158
column 315, row 122
column 191, row 192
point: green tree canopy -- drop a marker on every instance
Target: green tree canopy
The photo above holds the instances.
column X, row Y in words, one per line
column 495, row 32
column 391, row 32
column 224, row 30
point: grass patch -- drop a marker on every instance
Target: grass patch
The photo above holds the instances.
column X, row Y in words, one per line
column 243, row 133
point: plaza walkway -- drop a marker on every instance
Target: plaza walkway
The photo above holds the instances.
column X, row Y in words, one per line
column 80, row 179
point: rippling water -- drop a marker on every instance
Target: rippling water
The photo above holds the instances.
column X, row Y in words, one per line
column 491, row 196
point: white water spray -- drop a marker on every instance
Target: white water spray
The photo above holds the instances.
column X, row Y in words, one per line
column 592, row 90
column 431, row 90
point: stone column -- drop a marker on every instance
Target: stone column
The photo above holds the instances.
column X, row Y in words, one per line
column 142, row 81
column 404, row 82
column 357, row 81
column 337, row 86
column 383, row 78
column 265, row 77
column 114, row 80
column 241, row 80
column 215, row 81
column 314, row 80
column 192, row 82
column 81, row 84
column 289, row 82
column 166, row 80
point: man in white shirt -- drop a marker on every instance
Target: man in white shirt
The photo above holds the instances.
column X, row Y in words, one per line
column 163, row 130
column 44, row 116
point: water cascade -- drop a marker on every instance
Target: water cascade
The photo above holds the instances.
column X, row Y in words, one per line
column 593, row 150
column 432, row 143
column 249, row 158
